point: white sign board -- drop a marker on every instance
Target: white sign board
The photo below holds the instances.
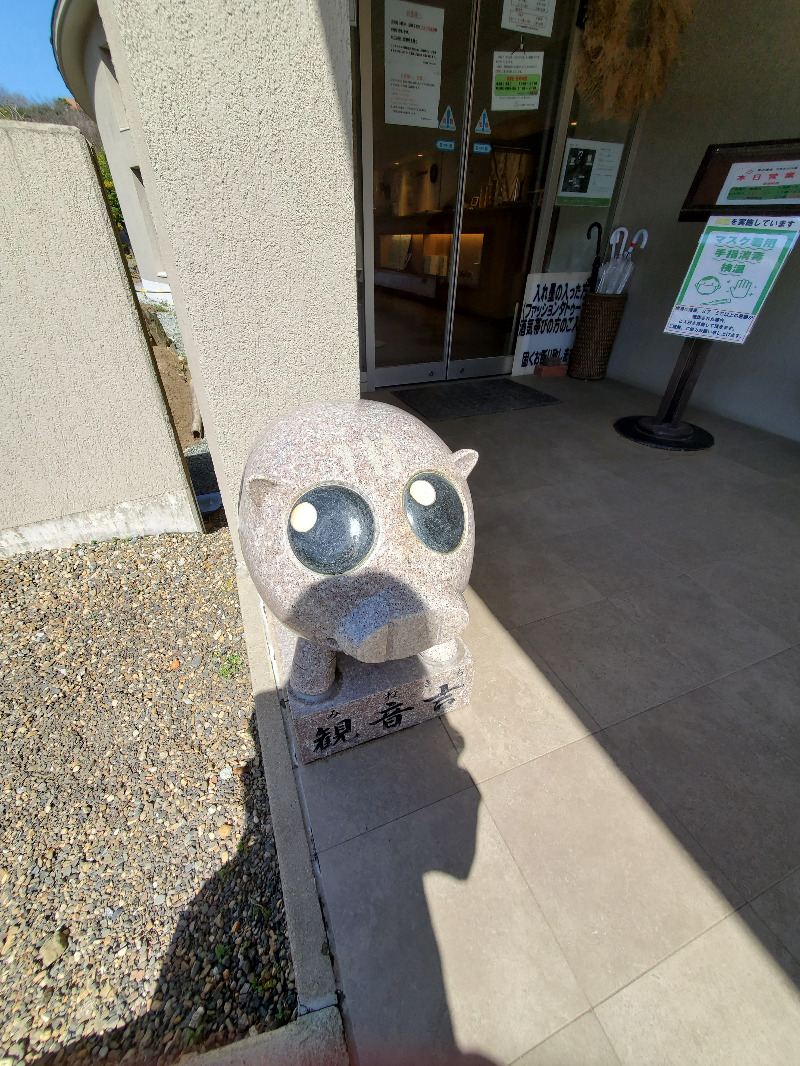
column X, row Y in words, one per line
column 413, row 68
column 762, row 183
column 588, row 173
column 516, row 81
column 733, row 270
column 549, row 318
column 529, row 16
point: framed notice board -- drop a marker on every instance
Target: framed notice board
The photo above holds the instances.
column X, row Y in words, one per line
column 755, row 178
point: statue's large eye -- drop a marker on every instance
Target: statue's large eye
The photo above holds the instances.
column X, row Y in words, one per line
column 331, row 529
column 435, row 511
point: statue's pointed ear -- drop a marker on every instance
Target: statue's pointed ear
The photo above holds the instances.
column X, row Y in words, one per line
column 258, row 488
column 465, row 459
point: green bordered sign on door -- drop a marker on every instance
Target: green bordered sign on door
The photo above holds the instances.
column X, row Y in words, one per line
column 516, row 81
column 735, row 266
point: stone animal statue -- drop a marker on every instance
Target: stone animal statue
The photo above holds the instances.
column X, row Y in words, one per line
column 357, row 528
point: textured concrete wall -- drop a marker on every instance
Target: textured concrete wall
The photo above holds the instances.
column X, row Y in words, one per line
column 86, row 446
column 737, row 82
column 243, row 116
column 115, row 132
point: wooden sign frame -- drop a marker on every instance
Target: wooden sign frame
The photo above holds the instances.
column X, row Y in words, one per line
column 699, row 204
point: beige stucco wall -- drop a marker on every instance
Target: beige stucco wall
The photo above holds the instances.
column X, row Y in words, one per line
column 109, row 112
column 86, row 446
column 737, row 82
column 242, row 118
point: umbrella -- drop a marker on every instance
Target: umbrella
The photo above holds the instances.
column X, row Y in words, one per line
column 598, row 257
column 626, row 268
column 606, row 280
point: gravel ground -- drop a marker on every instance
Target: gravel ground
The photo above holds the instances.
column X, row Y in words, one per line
column 141, row 912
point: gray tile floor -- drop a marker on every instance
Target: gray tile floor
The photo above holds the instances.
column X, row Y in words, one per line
column 598, row 861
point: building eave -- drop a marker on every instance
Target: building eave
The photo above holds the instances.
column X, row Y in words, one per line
column 69, row 28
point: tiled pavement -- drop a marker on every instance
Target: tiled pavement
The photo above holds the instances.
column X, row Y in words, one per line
column 597, row 861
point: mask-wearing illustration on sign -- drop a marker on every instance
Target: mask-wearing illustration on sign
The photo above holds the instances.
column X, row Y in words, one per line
column 735, row 266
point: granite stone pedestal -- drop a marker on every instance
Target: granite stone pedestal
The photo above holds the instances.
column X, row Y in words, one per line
column 369, row 700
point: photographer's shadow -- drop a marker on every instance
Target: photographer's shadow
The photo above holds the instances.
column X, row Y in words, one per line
column 394, row 870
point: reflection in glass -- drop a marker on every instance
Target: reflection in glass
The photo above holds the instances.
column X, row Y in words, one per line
column 415, row 185
column 567, row 246
column 505, row 178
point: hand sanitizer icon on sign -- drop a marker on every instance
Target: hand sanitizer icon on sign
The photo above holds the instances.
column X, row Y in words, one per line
column 483, row 124
column 447, row 122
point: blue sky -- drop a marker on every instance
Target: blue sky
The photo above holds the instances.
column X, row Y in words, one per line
column 26, row 59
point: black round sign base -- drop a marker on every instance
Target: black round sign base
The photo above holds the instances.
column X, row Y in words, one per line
column 683, row 437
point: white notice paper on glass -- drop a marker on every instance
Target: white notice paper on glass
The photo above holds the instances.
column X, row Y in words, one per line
column 516, row 81
column 762, row 183
column 588, row 173
column 413, row 68
column 529, row 16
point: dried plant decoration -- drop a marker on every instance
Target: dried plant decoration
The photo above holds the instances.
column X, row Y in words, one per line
column 628, row 50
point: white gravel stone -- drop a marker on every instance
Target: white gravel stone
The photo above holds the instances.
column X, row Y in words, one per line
column 123, row 684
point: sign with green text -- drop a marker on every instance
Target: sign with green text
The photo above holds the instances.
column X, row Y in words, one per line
column 516, row 81
column 735, row 266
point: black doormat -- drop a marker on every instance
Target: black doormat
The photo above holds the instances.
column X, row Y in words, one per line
column 460, row 399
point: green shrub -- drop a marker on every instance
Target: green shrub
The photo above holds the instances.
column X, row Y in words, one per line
column 111, row 192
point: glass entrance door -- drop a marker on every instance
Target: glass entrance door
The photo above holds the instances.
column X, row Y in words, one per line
column 463, row 115
column 517, row 85
column 419, row 64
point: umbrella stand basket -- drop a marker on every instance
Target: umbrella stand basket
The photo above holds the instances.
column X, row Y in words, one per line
column 597, row 328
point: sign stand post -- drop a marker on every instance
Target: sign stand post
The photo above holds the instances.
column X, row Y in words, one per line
column 667, row 430
column 749, row 195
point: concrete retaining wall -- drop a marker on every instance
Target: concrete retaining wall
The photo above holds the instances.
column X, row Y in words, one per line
column 87, row 449
column 241, row 116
